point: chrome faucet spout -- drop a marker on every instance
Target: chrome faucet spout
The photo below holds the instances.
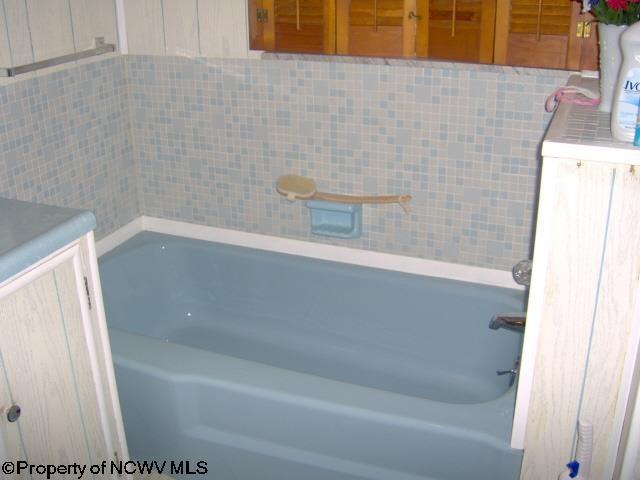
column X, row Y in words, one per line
column 509, row 321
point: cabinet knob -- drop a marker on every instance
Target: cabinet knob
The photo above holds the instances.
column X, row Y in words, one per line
column 413, row 16
column 13, row 414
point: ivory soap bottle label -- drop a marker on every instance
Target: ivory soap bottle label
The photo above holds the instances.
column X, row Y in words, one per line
column 628, row 106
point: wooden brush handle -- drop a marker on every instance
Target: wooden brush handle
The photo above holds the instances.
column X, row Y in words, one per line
column 336, row 197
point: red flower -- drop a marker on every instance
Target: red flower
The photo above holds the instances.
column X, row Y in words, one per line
column 618, row 4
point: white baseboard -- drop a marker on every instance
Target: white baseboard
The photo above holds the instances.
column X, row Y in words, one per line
column 118, row 237
column 367, row 258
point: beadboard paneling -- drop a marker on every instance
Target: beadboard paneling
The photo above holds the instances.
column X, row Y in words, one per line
column 19, row 31
column 181, row 27
column 578, row 212
column 33, row 30
column 613, row 315
column 145, row 30
column 10, row 440
column 5, row 52
column 583, row 299
column 223, row 29
column 93, row 18
column 51, row 28
column 39, row 371
column 85, row 369
column 207, row 28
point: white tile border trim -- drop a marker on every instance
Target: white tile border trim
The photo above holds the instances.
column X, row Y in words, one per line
column 118, row 237
column 366, row 258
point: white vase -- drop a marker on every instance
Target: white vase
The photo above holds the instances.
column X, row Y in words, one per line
column 610, row 60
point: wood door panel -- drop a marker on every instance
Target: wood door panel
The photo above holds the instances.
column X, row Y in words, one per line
column 11, row 445
column 51, row 370
column 376, row 28
column 543, row 33
column 461, row 30
column 80, row 341
column 306, row 26
column 464, row 47
column 525, row 49
column 385, row 42
column 308, row 39
column 39, row 370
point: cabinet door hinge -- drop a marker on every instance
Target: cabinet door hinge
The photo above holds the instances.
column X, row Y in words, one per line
column 86, row 287
column 262, row 14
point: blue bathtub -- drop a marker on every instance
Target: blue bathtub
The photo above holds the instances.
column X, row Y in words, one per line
column 270, row 366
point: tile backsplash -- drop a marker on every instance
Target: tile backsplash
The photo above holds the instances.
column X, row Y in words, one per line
column 65, row 139
column 203, row 141
column 212, row 136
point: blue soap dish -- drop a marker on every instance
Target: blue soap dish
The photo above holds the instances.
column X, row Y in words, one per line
column 335, row 219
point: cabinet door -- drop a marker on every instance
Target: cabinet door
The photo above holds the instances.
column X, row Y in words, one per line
column 376, row 28
column 461, row 30
column 306, row 26
column 50, row 368
column 544, row 33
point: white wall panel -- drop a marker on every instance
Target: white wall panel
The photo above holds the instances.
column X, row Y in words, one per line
column 33, row 30
column 51, row 28
column 19, row 31
column 223, row 28
column 5, row 50
column 145, row 30
column 93, row 18
column 564, row 308
column 613, row 315
column 181, row 27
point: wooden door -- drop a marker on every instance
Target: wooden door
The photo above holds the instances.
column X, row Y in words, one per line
column 459, row 30
column 49, row 369
column 376, row 28
column 544, row 33
column 304, row 26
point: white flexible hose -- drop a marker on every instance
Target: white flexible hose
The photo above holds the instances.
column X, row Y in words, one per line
column 584, row 449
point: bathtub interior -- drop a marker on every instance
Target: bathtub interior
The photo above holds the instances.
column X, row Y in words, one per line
column 251, row 421
column 413, row 335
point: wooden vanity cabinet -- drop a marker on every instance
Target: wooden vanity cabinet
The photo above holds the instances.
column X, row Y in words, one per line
column 58, row 399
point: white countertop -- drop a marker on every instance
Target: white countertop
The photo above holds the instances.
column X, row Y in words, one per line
column 583, row 133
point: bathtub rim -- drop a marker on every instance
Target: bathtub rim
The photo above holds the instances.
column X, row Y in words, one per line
column 320, row 251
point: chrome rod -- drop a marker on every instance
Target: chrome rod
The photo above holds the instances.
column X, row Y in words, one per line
column 100, row 49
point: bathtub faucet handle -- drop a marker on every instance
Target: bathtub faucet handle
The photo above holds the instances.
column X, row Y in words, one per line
column 521, row 272
column 513, row 372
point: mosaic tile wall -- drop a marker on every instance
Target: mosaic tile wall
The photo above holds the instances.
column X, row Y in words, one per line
column 65, row 139
column 211, row 137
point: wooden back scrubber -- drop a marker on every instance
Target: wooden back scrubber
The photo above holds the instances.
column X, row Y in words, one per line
column 296, row 187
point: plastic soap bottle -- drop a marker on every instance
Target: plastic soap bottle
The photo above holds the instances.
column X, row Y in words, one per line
column 627, row 90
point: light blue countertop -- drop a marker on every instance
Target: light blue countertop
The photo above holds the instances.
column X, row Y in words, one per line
column 30, row 232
